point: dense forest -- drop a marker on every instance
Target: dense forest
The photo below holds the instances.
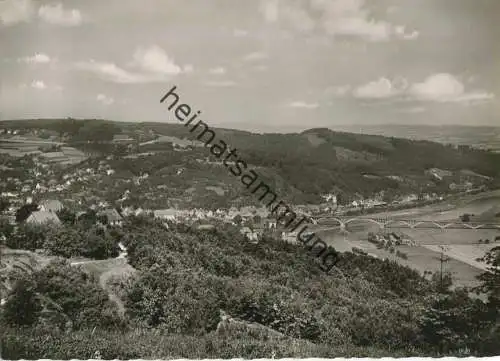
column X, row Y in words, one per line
column 285, row 306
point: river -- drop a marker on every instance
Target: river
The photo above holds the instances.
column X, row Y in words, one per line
column 461, row 245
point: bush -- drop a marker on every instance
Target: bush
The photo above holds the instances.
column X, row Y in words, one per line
column 66, row 295
column 151, row 344
column 28, row 236
column 401, row 255
column 93, row 242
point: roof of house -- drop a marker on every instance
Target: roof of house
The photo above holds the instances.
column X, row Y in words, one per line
column 205, row 227
column 112, row 215
column 118, row 137
column 53, row 155
column 165, row 212
column 41, row 217
column 51, row 205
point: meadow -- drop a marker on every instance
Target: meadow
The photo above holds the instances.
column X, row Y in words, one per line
column 460, row 245
column 38, row 146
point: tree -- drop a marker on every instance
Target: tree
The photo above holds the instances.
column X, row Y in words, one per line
column 65, row 241
column 257, row 219
column 6, row 229
column 490, row 279
column 77, row 295
column 442, row 282
column 93, row 242
column 66, row 216
column 4, row 204
column 490, row 285
column 453, row 322
column 25, row 211
column 22, row 307
column 88, row 218
column 27, row 236
column 237, row 219
column 465, row 217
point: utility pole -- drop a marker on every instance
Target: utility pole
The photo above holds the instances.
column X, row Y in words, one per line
column 442, row 259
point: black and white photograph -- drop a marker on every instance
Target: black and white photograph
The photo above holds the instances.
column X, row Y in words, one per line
column 249, row 179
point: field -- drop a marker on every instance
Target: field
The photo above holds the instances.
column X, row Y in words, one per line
column 19, row 147
column 461, row 265
column 465, row 253
column 461, row 246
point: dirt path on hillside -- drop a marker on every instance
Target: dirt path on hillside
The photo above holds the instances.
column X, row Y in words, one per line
column 109, row 268
column 119, row 271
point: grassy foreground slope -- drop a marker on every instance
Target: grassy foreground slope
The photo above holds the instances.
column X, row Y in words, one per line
column 286, row 306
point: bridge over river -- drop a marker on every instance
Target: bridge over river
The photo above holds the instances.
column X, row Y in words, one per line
column 342, row 223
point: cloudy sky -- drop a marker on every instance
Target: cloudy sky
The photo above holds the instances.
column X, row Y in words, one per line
column 265, row 65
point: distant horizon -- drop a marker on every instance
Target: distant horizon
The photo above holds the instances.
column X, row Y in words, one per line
column 339, row 127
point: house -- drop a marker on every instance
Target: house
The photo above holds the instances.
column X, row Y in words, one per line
column 246, row 214
column 245, row 230
column 439, row 174
column 50, row 205
column 289, row 237
column 205, row 227
column 112, row 216
column 251, row 235
column 330, row 197
column 271, row 224
column 168, row 214
column 122, row 138
column 43, row 217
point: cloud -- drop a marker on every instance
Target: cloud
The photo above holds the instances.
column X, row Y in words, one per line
column 401, row 31
column 55, row 14
column 270, row 10
column 16, row 11
column 224, row 83
column 412, row 110
column 188, row 68
column 154, row 59
column 337, row 91
column 304, row 105
column 111, row 72
column 104, row 99
column 445, row 87
column 255, row 56
column 38, row 84
column 239, row 33
column 440, row 88
column 378, row 89
column 149, row 65
column 218, row 70
column 334, row 17
column 38, row 58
